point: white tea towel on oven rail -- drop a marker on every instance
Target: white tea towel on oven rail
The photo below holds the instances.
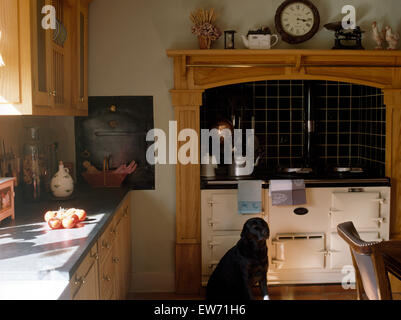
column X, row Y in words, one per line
column 250, row 197
column 287, row 192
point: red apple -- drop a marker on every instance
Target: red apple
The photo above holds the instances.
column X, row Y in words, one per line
column 70, row 221
column 61, row 214
column 55, row 223
column 50, row 215
column 81, row 214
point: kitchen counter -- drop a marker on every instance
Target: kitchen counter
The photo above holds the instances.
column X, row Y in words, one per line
column 37, row 262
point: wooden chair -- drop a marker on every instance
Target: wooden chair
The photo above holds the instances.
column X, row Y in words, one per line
column 372, row 281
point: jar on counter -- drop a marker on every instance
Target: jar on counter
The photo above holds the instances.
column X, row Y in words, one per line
column 34, row 166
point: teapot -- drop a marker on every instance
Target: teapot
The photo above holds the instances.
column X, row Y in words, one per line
column 260, row 39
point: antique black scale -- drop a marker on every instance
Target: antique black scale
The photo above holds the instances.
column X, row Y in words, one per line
column 346, row 39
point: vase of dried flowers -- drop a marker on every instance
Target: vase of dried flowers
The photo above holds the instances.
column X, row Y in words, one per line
column 204, row 27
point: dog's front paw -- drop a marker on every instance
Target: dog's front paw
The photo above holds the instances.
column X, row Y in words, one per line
column 266, row 297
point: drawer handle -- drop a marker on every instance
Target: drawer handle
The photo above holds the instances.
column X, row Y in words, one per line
column 78, row 281
column 95, row 256
column 116, row 260
column 106, row 245
column 107, row 278
column 212, row 265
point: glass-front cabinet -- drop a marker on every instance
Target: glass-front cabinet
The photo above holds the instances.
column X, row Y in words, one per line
column 81, row 96
column 54, row 61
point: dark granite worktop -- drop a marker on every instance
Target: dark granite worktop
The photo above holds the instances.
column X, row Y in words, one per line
column 30, row 251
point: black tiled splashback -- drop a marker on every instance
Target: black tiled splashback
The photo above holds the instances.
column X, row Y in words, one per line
column 349, row 120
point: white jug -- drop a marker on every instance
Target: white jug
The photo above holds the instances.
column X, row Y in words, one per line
column 62, row 184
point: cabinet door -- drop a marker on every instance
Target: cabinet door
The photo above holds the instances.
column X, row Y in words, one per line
column 107, row 277
column 81, row 58
column 89, row 289
column 362, row 208
column 84, row 285
column 126, row 258
column 119, row 261
column 42, row 56
column 9, row 53
column 61, row 54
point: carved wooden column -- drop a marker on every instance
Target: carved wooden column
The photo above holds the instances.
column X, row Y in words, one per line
column 392, row 99
column 188, row 220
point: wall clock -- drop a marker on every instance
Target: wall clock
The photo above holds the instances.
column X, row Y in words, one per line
column 297, row 21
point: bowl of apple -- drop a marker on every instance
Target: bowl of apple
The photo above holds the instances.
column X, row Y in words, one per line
column 65, row 218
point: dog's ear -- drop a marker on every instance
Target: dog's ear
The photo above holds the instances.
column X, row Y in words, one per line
column 245, row 229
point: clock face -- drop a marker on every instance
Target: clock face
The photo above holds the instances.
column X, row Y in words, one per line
column 297, row 19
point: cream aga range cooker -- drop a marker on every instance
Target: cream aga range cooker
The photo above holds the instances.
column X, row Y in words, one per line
column 304, row 247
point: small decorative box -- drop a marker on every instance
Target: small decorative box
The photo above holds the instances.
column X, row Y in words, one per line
column 7, row 198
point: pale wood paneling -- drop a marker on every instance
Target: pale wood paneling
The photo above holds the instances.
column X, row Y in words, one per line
column 9, row 53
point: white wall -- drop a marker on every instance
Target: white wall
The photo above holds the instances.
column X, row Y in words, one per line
column 128, row 40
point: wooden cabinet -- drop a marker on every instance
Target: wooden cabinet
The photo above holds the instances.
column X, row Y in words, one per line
column 46, row 68
column 105, row 273
column 115, row 259
column 80, row 93
column 122, row 256
column 85, row 282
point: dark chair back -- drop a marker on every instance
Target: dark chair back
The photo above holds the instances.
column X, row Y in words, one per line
column 370, row 274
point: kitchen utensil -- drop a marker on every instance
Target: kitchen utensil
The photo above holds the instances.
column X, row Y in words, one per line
column 260, row 39
column 238, row 167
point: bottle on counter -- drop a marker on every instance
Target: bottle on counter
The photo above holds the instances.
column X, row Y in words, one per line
column 34, row 166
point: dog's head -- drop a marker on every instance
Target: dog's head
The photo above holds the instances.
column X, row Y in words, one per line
column 255, row 232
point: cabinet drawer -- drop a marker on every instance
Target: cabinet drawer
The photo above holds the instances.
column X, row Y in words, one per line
column 107, row 277
column 106, row 241
column 80, row 275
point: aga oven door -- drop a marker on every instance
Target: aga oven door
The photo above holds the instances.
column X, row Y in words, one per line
column 298, row 251
column 362, row 208
column 216, row 247
column 224, row 214
column 340, row 254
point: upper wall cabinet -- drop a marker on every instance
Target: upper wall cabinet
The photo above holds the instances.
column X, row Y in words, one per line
column 44, row 57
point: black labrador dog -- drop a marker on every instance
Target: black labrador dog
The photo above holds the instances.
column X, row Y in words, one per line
column 242, row 266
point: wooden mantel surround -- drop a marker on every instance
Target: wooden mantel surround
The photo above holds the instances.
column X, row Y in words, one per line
column 197, row 70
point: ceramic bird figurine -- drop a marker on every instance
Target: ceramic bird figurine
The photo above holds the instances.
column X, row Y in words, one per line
column 378, row 36
column 392, row 38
